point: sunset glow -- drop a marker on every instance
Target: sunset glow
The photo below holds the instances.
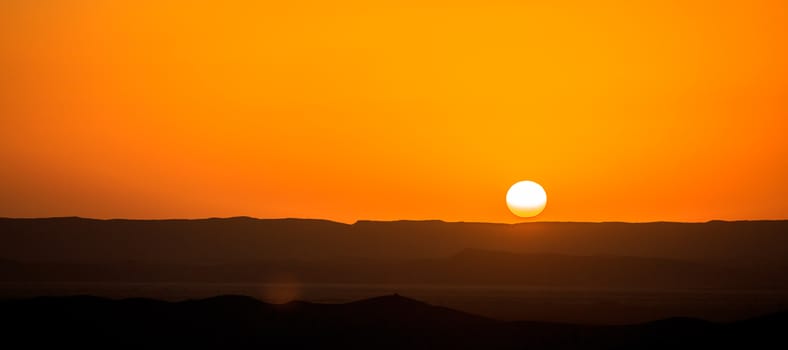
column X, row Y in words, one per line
column 346, row 110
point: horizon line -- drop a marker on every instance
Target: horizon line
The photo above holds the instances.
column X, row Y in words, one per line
column 386, row 221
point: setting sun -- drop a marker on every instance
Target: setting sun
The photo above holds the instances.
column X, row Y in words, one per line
column 526, row 199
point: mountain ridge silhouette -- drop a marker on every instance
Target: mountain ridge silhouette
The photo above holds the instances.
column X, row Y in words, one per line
column 239, row 239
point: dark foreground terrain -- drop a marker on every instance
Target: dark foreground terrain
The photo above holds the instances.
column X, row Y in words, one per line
column 383, row 322
column 564, row 272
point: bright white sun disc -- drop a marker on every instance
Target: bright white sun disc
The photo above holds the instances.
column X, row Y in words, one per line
column 526, row 199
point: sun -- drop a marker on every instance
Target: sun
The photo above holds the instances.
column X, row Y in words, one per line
column 526, row 199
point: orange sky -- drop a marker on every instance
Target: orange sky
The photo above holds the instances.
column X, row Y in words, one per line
column 622, row 110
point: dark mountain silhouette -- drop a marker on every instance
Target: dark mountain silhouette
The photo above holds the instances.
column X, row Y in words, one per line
column 385, row 322
column 577, row 272
column 492, row 267
column 246, row 239
column 469, row 267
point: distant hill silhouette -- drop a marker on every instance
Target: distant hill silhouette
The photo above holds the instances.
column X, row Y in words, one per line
column 245, row 239
column 388, row 322
column 746, row 254
column 469, row 267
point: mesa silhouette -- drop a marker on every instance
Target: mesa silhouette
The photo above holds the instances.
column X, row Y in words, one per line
column 746, row 254
column 469, row 267
column 384, row 322
column 245, row 239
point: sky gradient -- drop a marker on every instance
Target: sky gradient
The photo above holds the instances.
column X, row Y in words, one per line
column 346, row 110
